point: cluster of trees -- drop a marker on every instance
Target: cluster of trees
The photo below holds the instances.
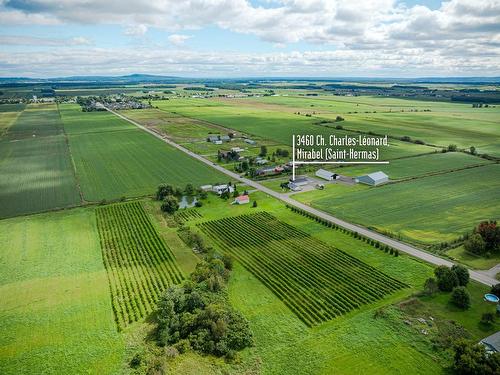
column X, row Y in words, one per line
column 281, row 153
column 455, row 280
column 193, row 239
column 484, row 240
column 198, row 316
column 169, row 195
column 472, row 359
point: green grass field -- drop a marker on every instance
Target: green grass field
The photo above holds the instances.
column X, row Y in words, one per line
column 271, row 124
column 129, row 162
column 417, row 166
column 428, row 210
column 55, row 315
column 35, row 164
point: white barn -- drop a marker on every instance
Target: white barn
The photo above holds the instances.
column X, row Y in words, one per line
column 373, row 179
column 326, row 175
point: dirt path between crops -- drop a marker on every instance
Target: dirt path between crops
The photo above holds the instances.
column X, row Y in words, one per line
column 401, row 246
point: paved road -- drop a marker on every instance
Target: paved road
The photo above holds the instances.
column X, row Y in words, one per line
column 401, row 246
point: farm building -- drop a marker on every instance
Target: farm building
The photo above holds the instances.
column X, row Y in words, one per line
column 492, row 343
column 218, row 142
column 326, row 175
column 373, row 179
column 225, row 138
column 250, row 141
column 242, row 199
column 294, row 187
column 237, row 149
column 206, row 187
column 219, row 189
column 260, row 161
column 212, row 138
column 300, row 181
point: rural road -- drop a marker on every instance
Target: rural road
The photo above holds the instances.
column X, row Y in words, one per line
column 401, row 246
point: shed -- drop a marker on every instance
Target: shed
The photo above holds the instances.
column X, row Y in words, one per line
column 492, row 343
column 373, row 179
column 300, row 181
column 242, row 199
column 326, row 175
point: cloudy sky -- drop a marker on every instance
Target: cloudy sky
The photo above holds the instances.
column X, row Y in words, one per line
column 242, row 38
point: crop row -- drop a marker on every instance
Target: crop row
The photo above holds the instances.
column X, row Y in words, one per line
column 186, row 215
column 316, row 281
column 138, row 263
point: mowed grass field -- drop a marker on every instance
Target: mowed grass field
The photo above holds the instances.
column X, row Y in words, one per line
column 55, row 314
column 428, row 210
column 114, row 159
column 36, row 173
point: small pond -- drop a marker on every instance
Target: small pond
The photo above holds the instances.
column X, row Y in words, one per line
column 187, row 201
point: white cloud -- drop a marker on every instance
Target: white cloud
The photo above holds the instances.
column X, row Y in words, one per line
column 136, row 30
column 178, row 39
column 22, row 40
column 461, row 36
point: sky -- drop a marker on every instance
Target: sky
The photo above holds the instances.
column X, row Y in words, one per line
column 250, row 38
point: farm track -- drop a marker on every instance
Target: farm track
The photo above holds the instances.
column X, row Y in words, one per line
column 139, row 265
column 401, row 246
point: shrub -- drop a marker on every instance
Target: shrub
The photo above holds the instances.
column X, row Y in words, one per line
column 460, row 297
column 135, row 362
column 254, row 204
column 198, row 204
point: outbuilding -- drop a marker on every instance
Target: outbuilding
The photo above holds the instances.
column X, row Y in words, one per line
column 219, row 189
column 326, row 175
column 242, row 199
column 492, row 343
column 373, row 179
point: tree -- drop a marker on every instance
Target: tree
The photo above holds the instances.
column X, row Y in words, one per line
column 244, row 166
column 472, row 150
column 189, row 189
column 488, row 318
column 170, row 204
column 471, row 359
column 254, row 204
column 462, row 274
column 339, row 118
column 446, row 279
column 263, row 150
column 430, row 286
column 460, row 297
column 475, row 244
column 164, row 190
column 490, row 233
column 452, row 148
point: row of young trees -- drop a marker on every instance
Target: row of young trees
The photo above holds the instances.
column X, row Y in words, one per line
column 197, row 315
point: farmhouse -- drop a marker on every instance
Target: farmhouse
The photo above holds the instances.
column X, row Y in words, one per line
column 242, row 199
column 219, row 189
column 492, row 343
column 373, row 179
column 326, row 175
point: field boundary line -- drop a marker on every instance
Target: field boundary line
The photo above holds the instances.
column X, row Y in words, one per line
column 401, row 246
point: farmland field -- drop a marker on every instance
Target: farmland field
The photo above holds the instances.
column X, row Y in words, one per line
column 129, row 162
column 35, row 164
column 417, row 166
column 428, row 210
column 317, row 282
column 139, row 264
column 278, row 126
column 55, row 315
